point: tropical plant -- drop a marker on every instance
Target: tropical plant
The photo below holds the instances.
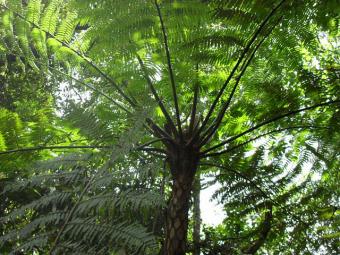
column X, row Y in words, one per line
column 243, row 91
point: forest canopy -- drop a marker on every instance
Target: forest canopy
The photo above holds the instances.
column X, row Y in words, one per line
column 115, row 115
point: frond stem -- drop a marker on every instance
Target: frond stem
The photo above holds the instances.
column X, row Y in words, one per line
column 204, row 155
column 194, row 104
column 158, row 131
column 58, row 147
column 38, row 148
column 213, row 128
column 171, row 74
column 155, row 94
column 240, row 59
column 270, row 121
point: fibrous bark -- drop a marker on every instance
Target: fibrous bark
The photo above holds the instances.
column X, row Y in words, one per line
column 183, row 163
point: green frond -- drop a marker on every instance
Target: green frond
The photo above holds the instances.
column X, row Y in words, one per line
column 34, row 11
column 39, row 40
column 44, row 202
column 66, row 27
column 2, row 143
column 49, row 19
column 118, row 235
column 38, row 34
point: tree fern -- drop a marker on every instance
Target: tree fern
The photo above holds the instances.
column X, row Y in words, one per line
column 241, row 90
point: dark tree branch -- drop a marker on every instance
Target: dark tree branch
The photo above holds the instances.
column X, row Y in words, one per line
column 118, row 104
column 194, row 105
column 151, row 130
column 87, row 60
column 240, row 59
column 215, row 125
column 158, row 132
column 203, row 155
column 155, row 94
column 171, row 74
column 38, row 148
column 270, row 121
column 58, row 147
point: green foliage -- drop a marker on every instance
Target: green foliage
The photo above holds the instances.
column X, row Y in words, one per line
column 38, row 34
column 113, row 213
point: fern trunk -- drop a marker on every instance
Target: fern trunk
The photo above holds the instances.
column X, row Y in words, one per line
column 183, row 165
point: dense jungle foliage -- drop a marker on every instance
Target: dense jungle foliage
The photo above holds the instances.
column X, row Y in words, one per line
column 116, row 114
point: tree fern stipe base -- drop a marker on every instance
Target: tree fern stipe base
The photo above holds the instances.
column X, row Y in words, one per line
column 183, row 164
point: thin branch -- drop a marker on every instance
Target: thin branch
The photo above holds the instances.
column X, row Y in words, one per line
column 270, row 121
column 121, row 106
column 171, row 74
column 203, row 155
column 38, row 148
column 194, row 104
column 213, row 128
column 155, row 94
column 87, row 60
column 57, row 147
column 240, row 59
column 149, row 129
